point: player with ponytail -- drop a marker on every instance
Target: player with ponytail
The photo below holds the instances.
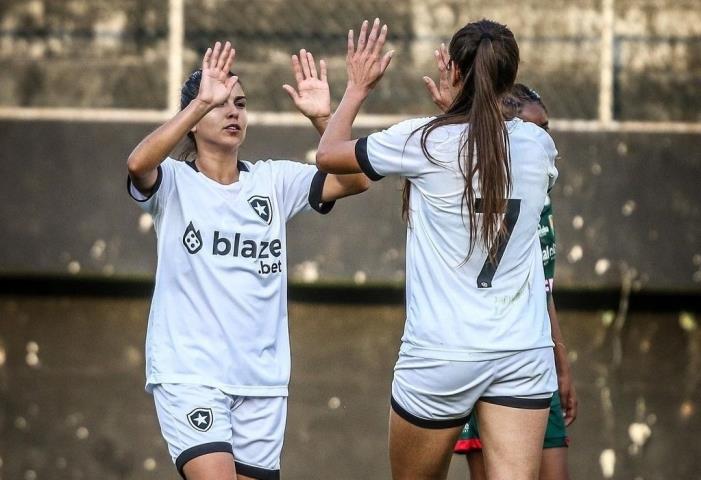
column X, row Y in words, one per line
column 477, row 334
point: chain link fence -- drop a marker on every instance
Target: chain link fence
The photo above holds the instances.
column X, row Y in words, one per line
column 115, row 53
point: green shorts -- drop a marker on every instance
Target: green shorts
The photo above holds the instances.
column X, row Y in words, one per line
column 555, row 433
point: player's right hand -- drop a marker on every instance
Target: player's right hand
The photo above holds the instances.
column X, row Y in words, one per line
column 442, row 94
column 364, row 64
column 216, row 84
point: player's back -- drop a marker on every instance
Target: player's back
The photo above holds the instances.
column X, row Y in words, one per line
column 461, row 307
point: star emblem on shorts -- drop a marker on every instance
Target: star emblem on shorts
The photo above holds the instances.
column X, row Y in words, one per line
column 263, row 207
column 201, row 419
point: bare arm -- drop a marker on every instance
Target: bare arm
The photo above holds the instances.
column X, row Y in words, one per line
column 568, row 395
column 215, row 87
column 313, row 99
column 365, row 67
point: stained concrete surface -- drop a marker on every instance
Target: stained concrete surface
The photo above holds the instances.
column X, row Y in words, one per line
column 625, row 204
column 72, row 404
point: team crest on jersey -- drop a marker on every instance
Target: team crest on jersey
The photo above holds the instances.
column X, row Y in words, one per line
column 192, row 239
column 201, row 419
column 262, row 207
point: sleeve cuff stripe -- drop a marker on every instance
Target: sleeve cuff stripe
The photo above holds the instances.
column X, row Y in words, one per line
column 154, row 189
column 315, row 192
column 361, row 155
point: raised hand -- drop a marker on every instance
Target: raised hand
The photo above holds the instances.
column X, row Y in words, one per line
column 443, row 93
column 216, row 84
column 364, row 64
column 312, row 96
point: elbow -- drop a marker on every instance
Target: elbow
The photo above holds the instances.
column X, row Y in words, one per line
column 134, row 166
column 363, row 183
column 322, row 160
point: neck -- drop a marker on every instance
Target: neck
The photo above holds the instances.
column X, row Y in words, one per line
column 221, row 166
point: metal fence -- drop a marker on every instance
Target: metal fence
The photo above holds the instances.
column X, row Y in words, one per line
column 601, row 65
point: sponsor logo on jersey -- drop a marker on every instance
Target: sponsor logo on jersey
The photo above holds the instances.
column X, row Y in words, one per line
column 548, row 253
column 192, row 239
column 262, row 207
column 201, row 419
column 264, row 251
column 267, row 253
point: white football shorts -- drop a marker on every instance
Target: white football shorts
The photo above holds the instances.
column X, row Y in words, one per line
column 196, row 420
column 433, row 393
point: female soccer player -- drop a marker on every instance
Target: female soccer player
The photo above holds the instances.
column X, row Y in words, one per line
column 477, row 332
column 527, row 104
column 217, row 348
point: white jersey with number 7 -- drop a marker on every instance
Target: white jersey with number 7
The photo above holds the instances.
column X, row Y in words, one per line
column 457, row 309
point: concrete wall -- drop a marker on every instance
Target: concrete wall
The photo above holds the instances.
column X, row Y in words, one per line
column 115, row 54
column 624, row 204
column 72, row 404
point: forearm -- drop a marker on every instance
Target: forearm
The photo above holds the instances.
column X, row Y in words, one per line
column 320, row 123
column 153, row 149
column 562, row 363
column 339, row 186
column 336, row 140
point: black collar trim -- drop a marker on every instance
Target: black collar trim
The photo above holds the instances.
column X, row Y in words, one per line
column 241, row 166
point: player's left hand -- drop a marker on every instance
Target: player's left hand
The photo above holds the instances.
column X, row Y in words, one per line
column 312, row 96
column 568, row 398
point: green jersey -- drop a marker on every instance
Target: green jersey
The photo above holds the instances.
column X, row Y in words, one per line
column 546, row 232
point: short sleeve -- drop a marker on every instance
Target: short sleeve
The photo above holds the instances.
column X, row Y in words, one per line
column 299, row 188
column 548, row 145
column 395, row 151
column 154, row 202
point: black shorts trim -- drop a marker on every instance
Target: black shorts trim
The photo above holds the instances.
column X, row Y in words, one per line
column 361, row 154
column 315, row 192
column 520, row 402
column 257, row 472
column 154, row 189
column 423, row 423
column 199, row 450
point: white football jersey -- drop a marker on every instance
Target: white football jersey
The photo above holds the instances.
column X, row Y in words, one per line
column 458, row 309
column 219, row 310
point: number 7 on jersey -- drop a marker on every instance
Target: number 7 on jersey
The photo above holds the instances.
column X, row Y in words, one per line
column 489, row 269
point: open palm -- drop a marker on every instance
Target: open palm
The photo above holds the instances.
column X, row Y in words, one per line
column 216, row 84
column 312, row 96
column 443, row 93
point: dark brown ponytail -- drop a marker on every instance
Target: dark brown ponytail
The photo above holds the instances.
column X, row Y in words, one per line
column 486, row 55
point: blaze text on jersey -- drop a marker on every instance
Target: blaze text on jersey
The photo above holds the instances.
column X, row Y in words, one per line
column 265, row 252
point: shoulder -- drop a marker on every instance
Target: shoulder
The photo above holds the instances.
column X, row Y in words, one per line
column 406, row 127
column 278, row 168
column 258, row 168
column 528, row 133
column 178, row 166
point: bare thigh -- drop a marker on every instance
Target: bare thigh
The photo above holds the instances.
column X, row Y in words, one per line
column 417, row 453
column 475, row 463
column 554, row 464
column 213, row 466
column 512, row 440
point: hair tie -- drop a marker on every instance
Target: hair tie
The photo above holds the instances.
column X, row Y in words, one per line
column 486, row 35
